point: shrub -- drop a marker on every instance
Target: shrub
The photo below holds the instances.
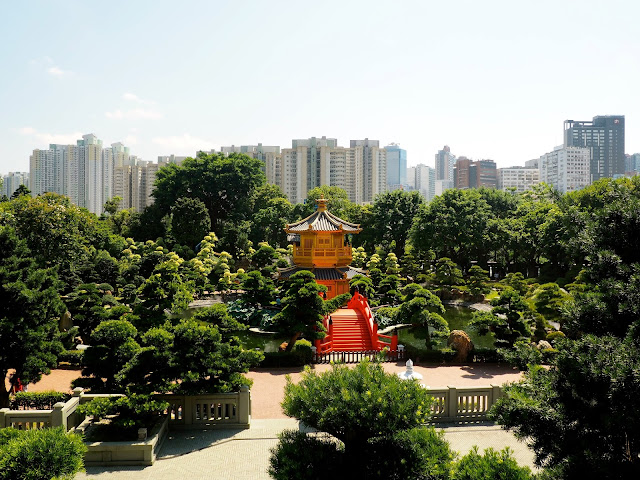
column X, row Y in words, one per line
column 38, row 400
column 438, row 355
column 41, row 455
column 132, row 411
column 298, row 457
column 492, row 465
column 524, row 353
column 300, row 355
column 554, row 336
column 417, row 453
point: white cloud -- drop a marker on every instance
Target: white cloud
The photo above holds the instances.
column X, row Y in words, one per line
column 183, row 144
column 58, row 72
column 47, row 137
column 132, row 97
column 134, row 114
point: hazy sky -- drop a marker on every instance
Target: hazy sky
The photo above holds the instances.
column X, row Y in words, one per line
column 491, row 79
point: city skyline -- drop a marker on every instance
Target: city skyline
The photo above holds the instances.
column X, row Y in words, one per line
column 476, row 77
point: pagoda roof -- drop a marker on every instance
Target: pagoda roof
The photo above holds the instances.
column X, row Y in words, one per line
column 322, row 221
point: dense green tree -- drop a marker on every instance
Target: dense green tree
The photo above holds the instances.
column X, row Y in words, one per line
column 263, row 259
column 337, row 201
column 454, row 225
column 225, row 185
column 20, row 191
column 30, row 309
column 190, row 221
column 259, row 291
column 550, row 300
column 303, row 309
column 352, row 404
column 363, row 285
column 517, row 282
column 391, row 219
column 577, row 415
column 268, row 221
column 88, row 305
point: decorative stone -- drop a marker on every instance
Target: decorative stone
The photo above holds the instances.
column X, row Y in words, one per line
column 409, row 374
column 544, row 345
column 461, row 343
column 142, row 434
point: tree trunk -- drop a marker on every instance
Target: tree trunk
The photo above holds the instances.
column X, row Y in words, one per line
column 292, row 341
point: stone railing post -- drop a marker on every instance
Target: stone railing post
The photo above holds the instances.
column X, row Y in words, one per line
column 496, row 393
column 452, row 404
column 3, row 412
column 78, row 391
column 57, row 416
column 244, row 405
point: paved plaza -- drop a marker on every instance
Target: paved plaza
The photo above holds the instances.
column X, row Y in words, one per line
column 244, row 454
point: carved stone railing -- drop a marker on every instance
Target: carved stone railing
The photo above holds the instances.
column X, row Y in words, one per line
column 222, row 410
column 463, row 404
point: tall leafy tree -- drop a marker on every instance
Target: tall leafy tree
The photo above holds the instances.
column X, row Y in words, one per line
column 223, row 183
column 190, row 221
column 29, row 313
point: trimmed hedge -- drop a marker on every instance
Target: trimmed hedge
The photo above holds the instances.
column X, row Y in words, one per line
column 300, row 355
column 38, row 400
column 70, row 357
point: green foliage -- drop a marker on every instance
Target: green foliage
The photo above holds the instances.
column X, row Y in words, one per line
column 264, row 258
column 576, row 415
column 29, row 313
column 190, row 221
column 417, row 453
column 517, row 282
column 386, row 316
column 421, row 307
column 363, row 284
column 359, row 257
column 303, row 308
column 447, row 273
column 38, row 400
column 300, row 355
column 72, row 357
column 132, row 411
column 492, row 465
column 88, row 305
column 299, row 456
column 272, row 211
column 478, row 281
column 113, row 344
column 509, row 320
column 218, row 316
column 550, row 300
column 41, row 455
column 335, row 303
column 523, row 354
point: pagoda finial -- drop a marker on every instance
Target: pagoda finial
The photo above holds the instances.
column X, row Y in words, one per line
column 322, row 203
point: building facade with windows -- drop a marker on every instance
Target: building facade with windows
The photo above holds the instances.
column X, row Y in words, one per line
column 604, row 136
column 567, row 169
column 519, row 179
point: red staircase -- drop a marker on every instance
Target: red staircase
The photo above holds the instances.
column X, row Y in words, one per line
column 350, row 331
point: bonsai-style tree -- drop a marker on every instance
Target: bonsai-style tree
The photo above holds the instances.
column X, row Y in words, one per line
column 478, row 281
column 517, row 282
column 303, row 308
column 87, row 305
column 422, row 307
column 509, row 320
column 378, row 418
column 363, row 284
column 447, row 273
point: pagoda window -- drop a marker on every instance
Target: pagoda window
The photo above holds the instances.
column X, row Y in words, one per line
column 308, row 242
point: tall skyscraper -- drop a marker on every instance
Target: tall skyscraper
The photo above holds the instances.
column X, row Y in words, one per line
column 396, row 166
column 445, row 163
column 374, row 168
column 632, row 164
column 604, row 136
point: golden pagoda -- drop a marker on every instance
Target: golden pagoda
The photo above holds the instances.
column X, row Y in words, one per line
column 320, row 245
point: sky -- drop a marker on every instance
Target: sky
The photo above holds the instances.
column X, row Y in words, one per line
column 491, row 79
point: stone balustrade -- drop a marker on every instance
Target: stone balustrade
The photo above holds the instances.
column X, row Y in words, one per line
column 463, row 404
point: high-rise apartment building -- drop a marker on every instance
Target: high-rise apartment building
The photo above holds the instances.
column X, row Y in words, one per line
column 425, row 181
column 519, row 179
column 475, row 173
column 13, row 180
column 445, row 163
column 632, row 164
column 566, row 168
column 268, row 155
column 411, row 177
column 604, row 136
column 360, row 169
column 396, row 166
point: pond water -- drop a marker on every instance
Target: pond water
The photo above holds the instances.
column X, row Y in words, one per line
column 458, row 319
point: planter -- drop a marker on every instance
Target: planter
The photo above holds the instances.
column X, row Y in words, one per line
column 125, row 453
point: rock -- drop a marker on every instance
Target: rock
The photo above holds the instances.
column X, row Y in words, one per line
column 65, row 323
column 461, row 343
column 544, row 345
